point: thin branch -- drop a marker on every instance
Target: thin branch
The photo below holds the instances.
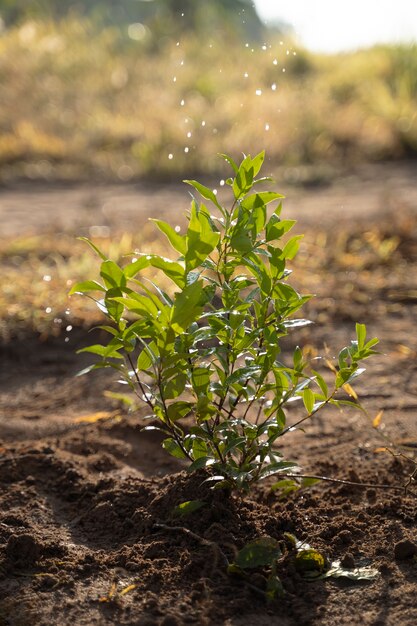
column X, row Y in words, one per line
column 351, row 483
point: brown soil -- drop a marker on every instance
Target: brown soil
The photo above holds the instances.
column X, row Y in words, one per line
column 87, row 529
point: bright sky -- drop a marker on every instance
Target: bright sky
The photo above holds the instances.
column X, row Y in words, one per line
column 332, row 25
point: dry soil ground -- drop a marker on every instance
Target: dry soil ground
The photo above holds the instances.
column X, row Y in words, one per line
column 87, row 533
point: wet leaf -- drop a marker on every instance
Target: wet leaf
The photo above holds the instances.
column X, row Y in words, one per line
column 357, row 573
column 311, row 561
column 258, row 553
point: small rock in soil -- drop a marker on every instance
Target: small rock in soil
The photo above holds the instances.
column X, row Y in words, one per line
column 404, row 549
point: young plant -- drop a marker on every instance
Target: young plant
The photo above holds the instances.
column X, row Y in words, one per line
column 206, row 356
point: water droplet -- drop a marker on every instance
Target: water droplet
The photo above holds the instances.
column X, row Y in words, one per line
column 69, row 328
column 274, row 86
column 258, row 92
column 275, row 61
column 288, row 52
column 182, row 63
column 267, row 126
column 66, row 339
column 48, row 309
column 222, row 183
column 283, row 69
column 182, row 103
column 189, row 134
column 203, row 123
column 174, row 80
column 186, row 149
column 215, row 192
column 47, row 278
column 245, row 75
column 170, row 156
column 264, row 47
column 294, row 54
column 67, row 311
column 177, row 229
column 246, row 45
column 137, row 31
column 178, row 43
column 57, row 320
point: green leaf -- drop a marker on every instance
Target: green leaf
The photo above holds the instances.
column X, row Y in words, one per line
column 173, row 270
column 258, row 553
column 188, row 305
column 174, row 387
column 274, row 587
column 291, row 247
column 200, row 378
column 277, row 228
column 201, row 463
column 309, row 400
column 311, row 561
column 207, row 193
column 201, row 238
column 186, row 508
column 176, row 240
column 178, row 410
column 136, row 266
column 257, row 162
column 112, row 275
column 231, row 162
column 361, row 335
column 86, row 286
column 285, row 486
column 172, row 447
column 94, row 247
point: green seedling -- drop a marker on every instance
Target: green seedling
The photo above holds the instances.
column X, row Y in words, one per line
column 205, row 356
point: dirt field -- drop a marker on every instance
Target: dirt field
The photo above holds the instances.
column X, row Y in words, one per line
column 87, row 531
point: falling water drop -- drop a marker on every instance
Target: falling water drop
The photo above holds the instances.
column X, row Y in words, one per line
column 182, row 103
column 266, row 126
column 203, row 123
column 258, row 92
column 170, row 156
column 186, row 149
column 47, row 278
column 275, row 61
column 274, row 86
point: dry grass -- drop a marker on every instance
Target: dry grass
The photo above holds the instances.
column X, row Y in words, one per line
column 78, row 102
column 351, row 270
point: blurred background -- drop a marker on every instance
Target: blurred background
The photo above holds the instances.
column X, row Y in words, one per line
column 130, row 89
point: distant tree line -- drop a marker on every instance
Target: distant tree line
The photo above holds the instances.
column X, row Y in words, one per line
column 166, row 16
